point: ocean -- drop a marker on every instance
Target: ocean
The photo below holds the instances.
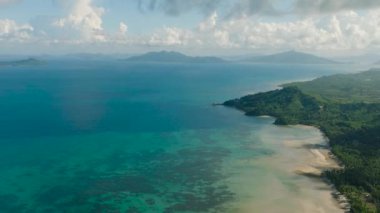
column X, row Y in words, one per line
column 111, row 136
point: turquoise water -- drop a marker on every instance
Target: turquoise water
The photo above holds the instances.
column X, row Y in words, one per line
column 113, row 137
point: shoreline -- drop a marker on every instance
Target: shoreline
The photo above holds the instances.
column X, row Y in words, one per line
column 325, row 160
column 292, row 174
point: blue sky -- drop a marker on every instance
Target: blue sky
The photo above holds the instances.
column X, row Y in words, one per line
column 198, row 26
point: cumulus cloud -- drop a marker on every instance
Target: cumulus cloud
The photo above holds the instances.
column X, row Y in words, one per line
column 170, row 36
column 210, row 32
column 343, row 31
column 123, row 28
column 12, row 31
column 85, row 18
column 338, row 32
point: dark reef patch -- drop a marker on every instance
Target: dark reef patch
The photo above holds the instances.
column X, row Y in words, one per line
column 184, row 180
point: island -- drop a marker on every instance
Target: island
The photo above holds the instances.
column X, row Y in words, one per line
column 346, row 108
column 290, row 57
column 173, row 57
column 23, row 62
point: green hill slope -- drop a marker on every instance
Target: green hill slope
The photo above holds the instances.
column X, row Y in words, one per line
column 361, row 87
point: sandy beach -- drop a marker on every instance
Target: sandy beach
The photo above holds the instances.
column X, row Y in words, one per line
column 293, row 173
column 317, row 159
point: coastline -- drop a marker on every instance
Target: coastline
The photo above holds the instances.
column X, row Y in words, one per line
column 271, row 183
column 294, row 171
column 325, row 160
column 321, row 160
column 347, row 122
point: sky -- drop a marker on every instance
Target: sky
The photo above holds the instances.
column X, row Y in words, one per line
column 201, row 27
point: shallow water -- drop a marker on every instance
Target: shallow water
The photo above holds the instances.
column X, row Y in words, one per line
column 115, row 137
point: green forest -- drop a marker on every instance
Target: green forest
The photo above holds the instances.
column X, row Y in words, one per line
column 346, row 108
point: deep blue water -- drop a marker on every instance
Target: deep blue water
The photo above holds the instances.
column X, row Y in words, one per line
column 76, row 97
column 108, row 136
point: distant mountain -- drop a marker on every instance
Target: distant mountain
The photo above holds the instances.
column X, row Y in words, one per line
column 290, row 57
column 24, row 62
column 172, row 57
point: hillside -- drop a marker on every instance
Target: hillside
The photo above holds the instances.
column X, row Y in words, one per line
column 360, row 87
column 172, row 57
column 352, row 126
column 290, row 57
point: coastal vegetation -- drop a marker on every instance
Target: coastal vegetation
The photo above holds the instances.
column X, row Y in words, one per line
column 347, row 110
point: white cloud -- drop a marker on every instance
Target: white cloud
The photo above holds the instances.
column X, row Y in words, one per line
column 83, row 24
column 123, row 28
column 343, row 31
column 85, row 18
column 170, row 36
column 222, row 38
column 211, row 32
column 12, row 31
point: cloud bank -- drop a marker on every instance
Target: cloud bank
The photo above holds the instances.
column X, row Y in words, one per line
column 345, row 31
column 333, row 26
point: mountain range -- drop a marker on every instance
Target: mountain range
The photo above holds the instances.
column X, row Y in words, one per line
column 173, row 57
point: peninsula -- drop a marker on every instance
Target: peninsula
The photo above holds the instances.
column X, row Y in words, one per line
column 346, row 108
